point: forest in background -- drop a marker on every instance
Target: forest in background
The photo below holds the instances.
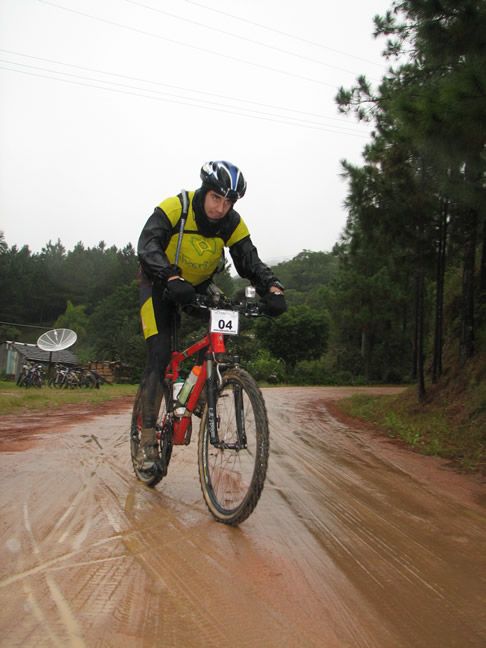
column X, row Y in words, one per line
column 400, row 298
column 343, row 326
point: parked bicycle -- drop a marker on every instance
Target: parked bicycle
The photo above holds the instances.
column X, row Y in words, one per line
column 73, row 377
column 90, row 379
column 32, row 375
column 59, row 378
column 233, row 442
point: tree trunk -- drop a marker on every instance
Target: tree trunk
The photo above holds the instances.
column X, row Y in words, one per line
column 415, row 333
column 439, row 293
column 420, row 319
column 366, row 349
column 472, row 177
column 467, row 315
column 482, row 275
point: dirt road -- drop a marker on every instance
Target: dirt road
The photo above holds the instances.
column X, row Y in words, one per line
column 355, row 543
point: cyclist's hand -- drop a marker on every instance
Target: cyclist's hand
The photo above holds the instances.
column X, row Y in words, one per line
column 180, row 291
column 274, row 303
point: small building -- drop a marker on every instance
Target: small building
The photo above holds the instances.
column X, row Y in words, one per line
column 15, row 354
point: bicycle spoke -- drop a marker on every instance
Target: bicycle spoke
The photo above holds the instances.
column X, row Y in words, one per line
column 232, row 473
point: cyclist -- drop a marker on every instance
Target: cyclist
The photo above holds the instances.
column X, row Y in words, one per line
column 212, row 224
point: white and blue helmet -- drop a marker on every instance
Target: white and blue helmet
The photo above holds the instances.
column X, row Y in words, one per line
column 224, row 178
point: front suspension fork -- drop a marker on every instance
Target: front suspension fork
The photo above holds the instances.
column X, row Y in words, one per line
column 212, row 388
column 240, row 416
column 212, row 421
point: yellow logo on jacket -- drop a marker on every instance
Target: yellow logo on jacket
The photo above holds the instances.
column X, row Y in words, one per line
column 199, row 256
column 204, row 246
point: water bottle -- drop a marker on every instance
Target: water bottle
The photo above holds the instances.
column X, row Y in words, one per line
column 176, row 388
column 188, row 385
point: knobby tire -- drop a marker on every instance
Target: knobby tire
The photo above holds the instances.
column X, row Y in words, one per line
column 231, row 479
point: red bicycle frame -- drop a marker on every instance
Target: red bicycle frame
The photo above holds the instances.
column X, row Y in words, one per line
column 214, row 342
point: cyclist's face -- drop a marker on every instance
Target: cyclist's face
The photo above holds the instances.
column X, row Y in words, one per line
column 216, row 206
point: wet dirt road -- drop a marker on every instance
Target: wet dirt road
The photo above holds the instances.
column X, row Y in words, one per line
column 355, row 542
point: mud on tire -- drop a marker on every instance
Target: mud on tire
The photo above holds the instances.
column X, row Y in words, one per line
column 232, row 478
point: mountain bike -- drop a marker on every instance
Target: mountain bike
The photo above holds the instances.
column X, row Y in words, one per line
column 58, row 379
column 233, row 443
column 31, row 375
column 66, row 377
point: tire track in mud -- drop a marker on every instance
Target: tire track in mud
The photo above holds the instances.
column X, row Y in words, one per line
column 94, row 593
column 345, row 548
column 180, row 569
column 379, row 525
column 202, row 589
column 184, row 571
column 66, row 619
column 100, row 593
column 72, row 526
column 289, row 463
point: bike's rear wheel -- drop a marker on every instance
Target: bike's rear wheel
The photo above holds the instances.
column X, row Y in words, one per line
column 57, row 381
column 232, row 475
column 164, row 443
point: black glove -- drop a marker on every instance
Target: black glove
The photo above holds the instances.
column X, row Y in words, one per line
column 274, row 304
column 181, row 291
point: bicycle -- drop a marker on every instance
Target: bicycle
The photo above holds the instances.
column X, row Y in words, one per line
column 233, row 443
column 71, row 378
column 31, row 375
column 22, row 380
column 90, row 379
column 58, row 380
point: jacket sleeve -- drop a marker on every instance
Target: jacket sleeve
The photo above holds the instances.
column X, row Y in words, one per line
column 152, row 243
column 249, row 266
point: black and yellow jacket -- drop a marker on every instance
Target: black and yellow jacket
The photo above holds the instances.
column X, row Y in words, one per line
column 202, row 245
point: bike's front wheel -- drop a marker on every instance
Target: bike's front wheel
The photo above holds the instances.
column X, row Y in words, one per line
column 232, row 472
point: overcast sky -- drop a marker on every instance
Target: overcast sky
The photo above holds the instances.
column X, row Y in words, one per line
column 109, row 106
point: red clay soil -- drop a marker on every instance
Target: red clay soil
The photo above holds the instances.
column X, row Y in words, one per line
column 355, row 542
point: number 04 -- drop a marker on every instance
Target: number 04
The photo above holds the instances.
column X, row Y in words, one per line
column 225, row 325
column 224, row 322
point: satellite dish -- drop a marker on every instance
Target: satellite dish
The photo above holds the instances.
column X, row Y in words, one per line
column 57, row 339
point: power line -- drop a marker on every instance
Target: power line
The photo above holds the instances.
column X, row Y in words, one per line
column 281, row 50
column 278, row 31
column 128, row 87
column 206, row 50
column 289, row 121
column 45, row 328
column 174, row 87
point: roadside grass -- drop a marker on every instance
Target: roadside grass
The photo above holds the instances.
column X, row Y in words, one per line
column 15, row 399
column 448, row 426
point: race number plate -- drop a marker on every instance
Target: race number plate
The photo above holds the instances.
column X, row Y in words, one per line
column 224, row 321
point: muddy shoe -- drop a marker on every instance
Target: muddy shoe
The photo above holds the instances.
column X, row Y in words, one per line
column 147, row 456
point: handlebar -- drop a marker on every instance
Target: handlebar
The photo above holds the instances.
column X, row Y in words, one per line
column 247, row 307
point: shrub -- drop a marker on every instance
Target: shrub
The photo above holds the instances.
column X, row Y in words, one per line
column 310, row 372
column 267, row 368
